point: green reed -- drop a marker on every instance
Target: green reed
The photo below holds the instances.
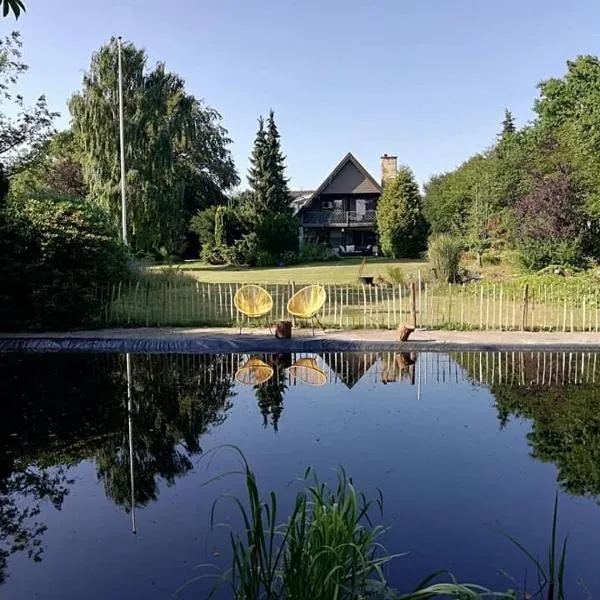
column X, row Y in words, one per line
column 327, row 549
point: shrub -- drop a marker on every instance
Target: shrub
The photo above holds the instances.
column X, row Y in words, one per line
column 395, row 275
column 278, row 234
column 289, row 258
column 265, row 259
column 212, row 254
column 550, row 223
column 314, row 253
column 54, row 252
column 245, row 250
column 539, row 254
column 444, row 253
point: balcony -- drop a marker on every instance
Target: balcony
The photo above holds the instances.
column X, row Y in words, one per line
column 339, row 218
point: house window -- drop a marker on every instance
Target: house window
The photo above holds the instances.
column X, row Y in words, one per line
column 338, row 204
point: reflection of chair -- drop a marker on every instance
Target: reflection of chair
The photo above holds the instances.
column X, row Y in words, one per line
column 254, row 372
column 253, row 301
column 306, row 303
column 307, row 371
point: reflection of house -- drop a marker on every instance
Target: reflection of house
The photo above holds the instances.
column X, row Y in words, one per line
column 342, row 210
column 351, row 366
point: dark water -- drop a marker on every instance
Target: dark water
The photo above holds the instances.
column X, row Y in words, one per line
column 455, row 443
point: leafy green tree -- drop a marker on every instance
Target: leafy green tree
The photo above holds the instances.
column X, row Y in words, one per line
column 12, row 6
column 508, row 124
column 266, row 208
column 568, row 110
column 172, row 142
column 277, row 193
column 400, row 222
column 257, row 174
column 58, row 170
column 550, row 223
column 53, row 253
column 23, row 136
column 4, row 185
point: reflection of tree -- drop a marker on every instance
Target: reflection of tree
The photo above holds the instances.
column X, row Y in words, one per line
column 21, row 498
column 58, row 410
column 55, row 410
column 565, row 429
column 565, row 416
column 270, row 394
column 175, row 401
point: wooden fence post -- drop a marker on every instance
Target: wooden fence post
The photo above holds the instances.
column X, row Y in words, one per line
column 413, row 305
column 524, row 309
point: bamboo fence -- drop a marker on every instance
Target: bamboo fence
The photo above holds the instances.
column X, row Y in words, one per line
column 484, row 306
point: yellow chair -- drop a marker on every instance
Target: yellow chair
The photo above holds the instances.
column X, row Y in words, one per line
column 253, row 301
column 307, row 302
column 254, row 372
column 307, row 371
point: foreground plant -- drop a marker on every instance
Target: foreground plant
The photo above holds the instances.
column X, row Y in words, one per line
column 328, row 549
column 550, row 579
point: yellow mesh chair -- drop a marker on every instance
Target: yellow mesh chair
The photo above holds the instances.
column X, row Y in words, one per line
column 307, row 302
column 254, row 372
column 307, row 371
column 253, row 301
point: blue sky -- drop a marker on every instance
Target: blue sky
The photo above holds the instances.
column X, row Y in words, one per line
column 427, row 80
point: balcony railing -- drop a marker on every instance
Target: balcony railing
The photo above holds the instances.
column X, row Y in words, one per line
column 339, row 218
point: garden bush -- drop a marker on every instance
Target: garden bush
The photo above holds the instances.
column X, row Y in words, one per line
column 265, row 259
column 316, row 253
column 539, row 254
column 278, row 234
column 245, row 250
column 444, row 253
column 54, row 253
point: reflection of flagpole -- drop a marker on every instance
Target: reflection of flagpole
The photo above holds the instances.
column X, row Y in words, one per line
column 419, row 359
column 130, row 419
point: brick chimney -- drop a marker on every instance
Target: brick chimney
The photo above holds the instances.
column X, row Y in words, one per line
column 389, row 168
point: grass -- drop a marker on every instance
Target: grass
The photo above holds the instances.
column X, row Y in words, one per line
column 344, row 271
column 329, row 549
column 176, row 299
column 195, row 294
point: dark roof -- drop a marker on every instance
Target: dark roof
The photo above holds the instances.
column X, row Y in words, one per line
column 298, row 193
column 349, row 158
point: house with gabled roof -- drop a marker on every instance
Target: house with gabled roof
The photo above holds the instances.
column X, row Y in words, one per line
column 341, row 212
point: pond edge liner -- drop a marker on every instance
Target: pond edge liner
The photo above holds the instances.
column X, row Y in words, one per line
column 259, row 344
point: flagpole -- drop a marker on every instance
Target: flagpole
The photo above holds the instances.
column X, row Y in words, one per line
column 122, row 144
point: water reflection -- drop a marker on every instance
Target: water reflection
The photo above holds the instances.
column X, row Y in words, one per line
column 306, row 370
column 140, row 418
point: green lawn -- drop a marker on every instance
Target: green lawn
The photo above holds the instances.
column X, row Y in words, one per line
column 341, row 272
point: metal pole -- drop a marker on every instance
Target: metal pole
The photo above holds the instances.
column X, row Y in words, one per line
column 122, row 143
column 130, row 419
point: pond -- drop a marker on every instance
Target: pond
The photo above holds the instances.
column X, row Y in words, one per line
column 461, row 445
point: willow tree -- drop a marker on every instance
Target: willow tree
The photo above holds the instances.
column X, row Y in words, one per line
column 171, row 139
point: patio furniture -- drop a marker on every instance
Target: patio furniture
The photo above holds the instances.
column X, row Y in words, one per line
column 307, row 371
column 307, row 302
column 351, row 250
column 253, row 301
column 254, row 372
